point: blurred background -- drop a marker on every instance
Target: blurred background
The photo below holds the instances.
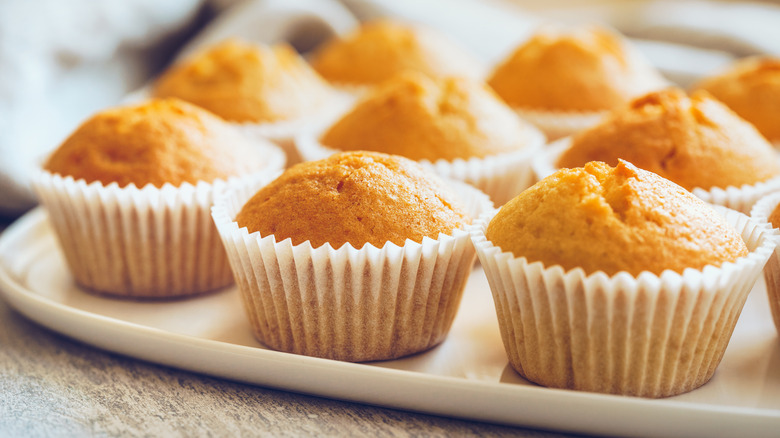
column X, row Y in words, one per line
column 62, row 60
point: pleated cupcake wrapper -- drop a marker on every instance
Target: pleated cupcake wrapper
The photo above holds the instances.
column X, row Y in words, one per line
column 736, row 198
column 557, row 124
column 761, row 212
column 357, row 91
column 283, row 132
column 649, row 336
column 348, row 304
column 501, row 176
column 138, row 243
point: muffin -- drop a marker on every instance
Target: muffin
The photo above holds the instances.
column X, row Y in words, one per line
column 635, row 290
column 129, row 192
column 378, row 50
column 695, row 141
column 565, row 80
column 767, row 211
column 271, row 91
column 751, row 88
column 454, row 125
column 359, row 257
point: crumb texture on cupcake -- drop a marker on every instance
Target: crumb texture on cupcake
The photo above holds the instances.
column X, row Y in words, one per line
column 420, row 117
column 245, row 82
column 751, row 88
column 694, row 141
column 379, row 50
column 582, row 69
column 157, row 142
column 609, row 219
column 356, row 198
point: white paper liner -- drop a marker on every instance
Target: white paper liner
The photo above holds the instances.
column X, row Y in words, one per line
column 151, row 243
column 736, row 198
column 557, row 124
column 761, row 212
column 284, row 132
column 501, row 176
column 649, row 336
column 348, row 304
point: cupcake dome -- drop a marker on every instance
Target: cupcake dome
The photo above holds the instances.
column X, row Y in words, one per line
column 583, row 69
column 379, row 50
column 694, row 141
column 425, row 118
column 751, row 88
column 157, row 142
column 246, row 82
column 616, row 219
column 354, row 198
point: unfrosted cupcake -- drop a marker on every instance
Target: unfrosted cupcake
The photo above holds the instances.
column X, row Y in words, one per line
column 616, row 280
column 269, row 90
column 379, row 50
column 767, row 211
column 456, row 126
column 751, row 88
column 565, row 80
column 129, row 192
column 358, row 257
column 696, row 142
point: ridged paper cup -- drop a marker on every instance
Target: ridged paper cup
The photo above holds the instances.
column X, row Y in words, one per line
column 557, row 124
column 739, row 198
column 501, row 176
column 648, row 336
column 284, row 132
column 150, row 243
column 348, row 304
column 761, row 212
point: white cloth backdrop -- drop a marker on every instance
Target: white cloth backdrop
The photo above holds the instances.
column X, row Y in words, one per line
column 60, row 61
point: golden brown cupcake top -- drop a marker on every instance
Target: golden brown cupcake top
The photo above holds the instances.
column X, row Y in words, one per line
column 694, row 141
column 246, row 82
column 420, row 117
column 613, row 219
column 355, row 197
column 157, row 142
column 583, row 69
column 751, row 88
column 379, row 50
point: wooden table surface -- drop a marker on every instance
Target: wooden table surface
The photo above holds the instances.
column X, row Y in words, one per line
column 52, row 386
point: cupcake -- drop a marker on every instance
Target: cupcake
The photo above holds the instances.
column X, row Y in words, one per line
column 129, row 192
column 358, row 257
column 767, row 211
column 455, row 126
column 751, row 88
column 565, row 80
column 378, row 50
column 270, row 91
column 634, row 290
column 695, row 141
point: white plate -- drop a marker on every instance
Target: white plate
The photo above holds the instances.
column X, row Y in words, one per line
column 467, row 376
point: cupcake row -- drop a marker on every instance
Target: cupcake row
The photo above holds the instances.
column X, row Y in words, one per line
column 402, row 89
column 606, row 277
column 364, row 256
